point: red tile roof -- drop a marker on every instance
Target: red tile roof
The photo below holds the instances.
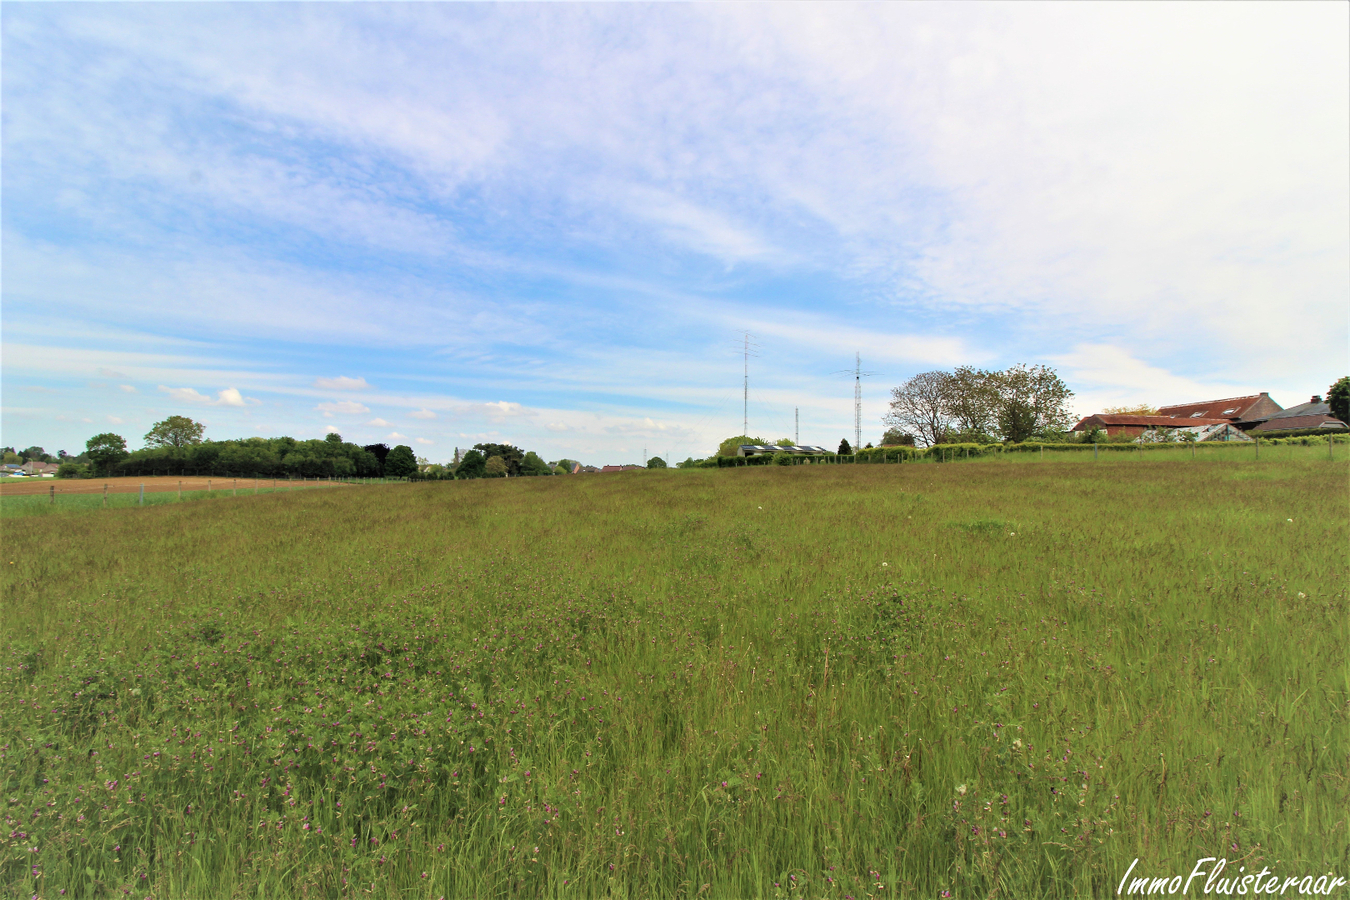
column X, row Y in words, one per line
column 1330, row 423
column 1230, row 409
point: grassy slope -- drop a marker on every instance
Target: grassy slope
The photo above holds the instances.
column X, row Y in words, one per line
column 709, row 677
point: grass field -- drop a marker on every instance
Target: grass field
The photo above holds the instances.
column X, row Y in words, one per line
column 975, row 680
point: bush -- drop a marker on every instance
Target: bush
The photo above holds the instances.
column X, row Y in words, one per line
column 72, row 470
column 782, row 458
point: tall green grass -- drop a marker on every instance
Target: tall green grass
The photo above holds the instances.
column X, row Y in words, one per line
column 827, row 681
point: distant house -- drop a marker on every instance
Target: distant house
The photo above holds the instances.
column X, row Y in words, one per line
column 629, row 468
column 1244, row 412
column 1313, row 414
column 770, row 449
column 41, row 469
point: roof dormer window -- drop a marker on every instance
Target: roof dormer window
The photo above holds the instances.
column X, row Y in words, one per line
column 1197, row 415
column 1229, row 412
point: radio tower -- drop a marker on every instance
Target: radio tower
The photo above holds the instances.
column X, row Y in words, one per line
column 748, row 350
column 797, row 426
column 857, row 401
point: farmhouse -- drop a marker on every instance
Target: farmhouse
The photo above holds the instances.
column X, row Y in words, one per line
column 42, row 469
column 628, row 468
column 1313, row 414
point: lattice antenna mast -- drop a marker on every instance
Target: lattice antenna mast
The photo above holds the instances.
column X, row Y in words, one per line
column 748, row 349
column 797, row 425
column 858, row 375
column 857, row 401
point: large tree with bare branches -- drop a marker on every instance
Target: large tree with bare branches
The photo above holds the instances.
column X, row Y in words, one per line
column 919, row 407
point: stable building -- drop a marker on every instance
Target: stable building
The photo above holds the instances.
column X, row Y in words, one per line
column 1244, row 412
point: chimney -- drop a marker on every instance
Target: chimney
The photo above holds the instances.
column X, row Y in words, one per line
column 1317, row 398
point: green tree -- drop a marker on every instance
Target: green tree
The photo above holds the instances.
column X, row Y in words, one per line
column 894, row 437
column 782, row 458
column 71, row 469
column 532, row 464
column 844, row 448
column 176, row 432
column 105, row 451
column 472, row 465
column 656, row 462
column 513, row 457
column 731, row 445
column 495, row 467
column 1032, row 400
column 1338, row 398
column 400, row 463
column 785, row 442
column 34, row 454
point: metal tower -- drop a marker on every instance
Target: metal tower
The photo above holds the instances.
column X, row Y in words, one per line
column 797, row 426
column 747, row 350
column 857, row 401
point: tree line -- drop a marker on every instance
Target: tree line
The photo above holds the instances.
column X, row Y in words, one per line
column 176, row 446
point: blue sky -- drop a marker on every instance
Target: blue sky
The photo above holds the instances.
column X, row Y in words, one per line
column 439, row 224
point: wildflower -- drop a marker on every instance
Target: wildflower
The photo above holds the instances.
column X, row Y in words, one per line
column 961, row 789
column 1289, row 520
column 885, row 564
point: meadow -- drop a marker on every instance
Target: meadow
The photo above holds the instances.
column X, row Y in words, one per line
column 973, row 679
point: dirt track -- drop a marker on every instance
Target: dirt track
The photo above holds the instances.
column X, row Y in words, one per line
column 160, row 484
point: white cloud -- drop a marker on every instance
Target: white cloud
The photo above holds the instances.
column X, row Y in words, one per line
column 110, row 373
column 425, row 441
column 126, row 388
column 342, row 383
column 342, row 407
column 331, row 429
column 116, row 420
column 224, row 397
column 505, row 409
column 379, row 423
column 185, row 395
column 423, row 414
column 395, row 436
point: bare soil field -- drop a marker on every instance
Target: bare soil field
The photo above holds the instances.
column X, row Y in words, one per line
column 21, row 487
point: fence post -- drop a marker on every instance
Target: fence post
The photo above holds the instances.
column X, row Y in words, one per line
column 235, row 492
column 51, row 493
column 208, row 487
column 105, row 495
column 180, row 489
column 1258, row 448
column 142, row 500
column 1094, row 450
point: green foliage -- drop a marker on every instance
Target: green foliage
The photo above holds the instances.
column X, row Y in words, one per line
column 844, row 448
column 176, row 432
column 532, row 464
column 895, row 437
column 731, row 445
column 708, row 674
column 34, row 454
column 105, row 451
column 512, row 457
column 785, row 442
column 495, row 467
column 71, row 469
column 656, row 462
column 400, row 463
column 473, row 465
column 1338, row 398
